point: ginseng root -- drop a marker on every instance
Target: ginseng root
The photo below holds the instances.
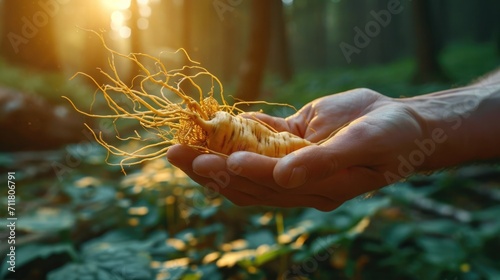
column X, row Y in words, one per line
column 226, row 134
column 170, row 116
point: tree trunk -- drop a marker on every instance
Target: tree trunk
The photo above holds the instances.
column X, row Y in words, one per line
column 281, row 54
column 318, row 45
column 28, row 37
column 228, row 45
column 96, row 56
column 428, row 67
column 135, row 38
column 186, row 40
column 252, row 68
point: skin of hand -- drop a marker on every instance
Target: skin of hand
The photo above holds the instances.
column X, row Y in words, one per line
column 374, row 134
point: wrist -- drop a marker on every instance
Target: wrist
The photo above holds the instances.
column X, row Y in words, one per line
column 459, row 125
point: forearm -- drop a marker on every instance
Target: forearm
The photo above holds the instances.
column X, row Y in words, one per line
column 462, row 123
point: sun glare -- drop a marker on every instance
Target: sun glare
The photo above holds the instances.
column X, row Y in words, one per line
column 116, row 4
column 121, row 15
column 119, row 23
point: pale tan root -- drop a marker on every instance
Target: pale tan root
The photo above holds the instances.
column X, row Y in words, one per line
column 227, row 134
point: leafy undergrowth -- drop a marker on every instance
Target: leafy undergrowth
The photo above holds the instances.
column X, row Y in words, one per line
column 79, row 218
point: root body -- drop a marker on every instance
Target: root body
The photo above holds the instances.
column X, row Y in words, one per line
column 227, row 134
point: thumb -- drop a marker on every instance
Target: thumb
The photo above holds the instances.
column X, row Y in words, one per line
column 317, row 162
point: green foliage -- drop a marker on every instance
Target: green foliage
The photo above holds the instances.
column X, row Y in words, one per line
column 47, row 219
column 109, row 257
column 30, row 252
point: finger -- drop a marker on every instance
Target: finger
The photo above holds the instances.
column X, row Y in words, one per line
column 220, row 177
column 224, row 180
column 279, row 124
column 255, row 167
column 207, row 165
column 210, row 172
column 182, row 157
column 240, row 190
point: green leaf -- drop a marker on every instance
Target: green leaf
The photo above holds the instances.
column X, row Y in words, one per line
column 90, row 190
column 260, row 237
column 490, row 229
column 273, row 253
column 488, row 214
column 30, row 252
column 116, row 236
column 359, row 208
column 320, row 248
column 47, row 220
column 158, row 236
column 146, row 218
column 443, row 252
column 399, row 233
column 126, row 262
column 85, row 271
column 325, row 243
column 191, row 276
column 203, row 272
column 172, row 273
column 211, row 228
column 487, row 268
column 440, row 226
column 122, row 252
column 210, row 272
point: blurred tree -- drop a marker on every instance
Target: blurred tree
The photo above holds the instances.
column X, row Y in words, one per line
column 317, row 37
column 428, row 67
column 280, row 54
column 389, row 42
column 28, row 37
column 186, row 37
column 348, row 17
column 135, row 35
column 252, row 67
column 187, row 10
column 310, row 29
column 96, row 57
column 229, row 35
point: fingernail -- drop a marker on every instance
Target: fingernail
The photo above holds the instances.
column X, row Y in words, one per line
column 298, row 177
column 233, row 163
column 197, row 172
column 234, row 168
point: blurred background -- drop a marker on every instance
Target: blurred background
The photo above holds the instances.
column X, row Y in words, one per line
column 80, row 216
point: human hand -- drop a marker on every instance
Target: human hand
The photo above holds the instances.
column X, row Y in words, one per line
column 375, row 132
